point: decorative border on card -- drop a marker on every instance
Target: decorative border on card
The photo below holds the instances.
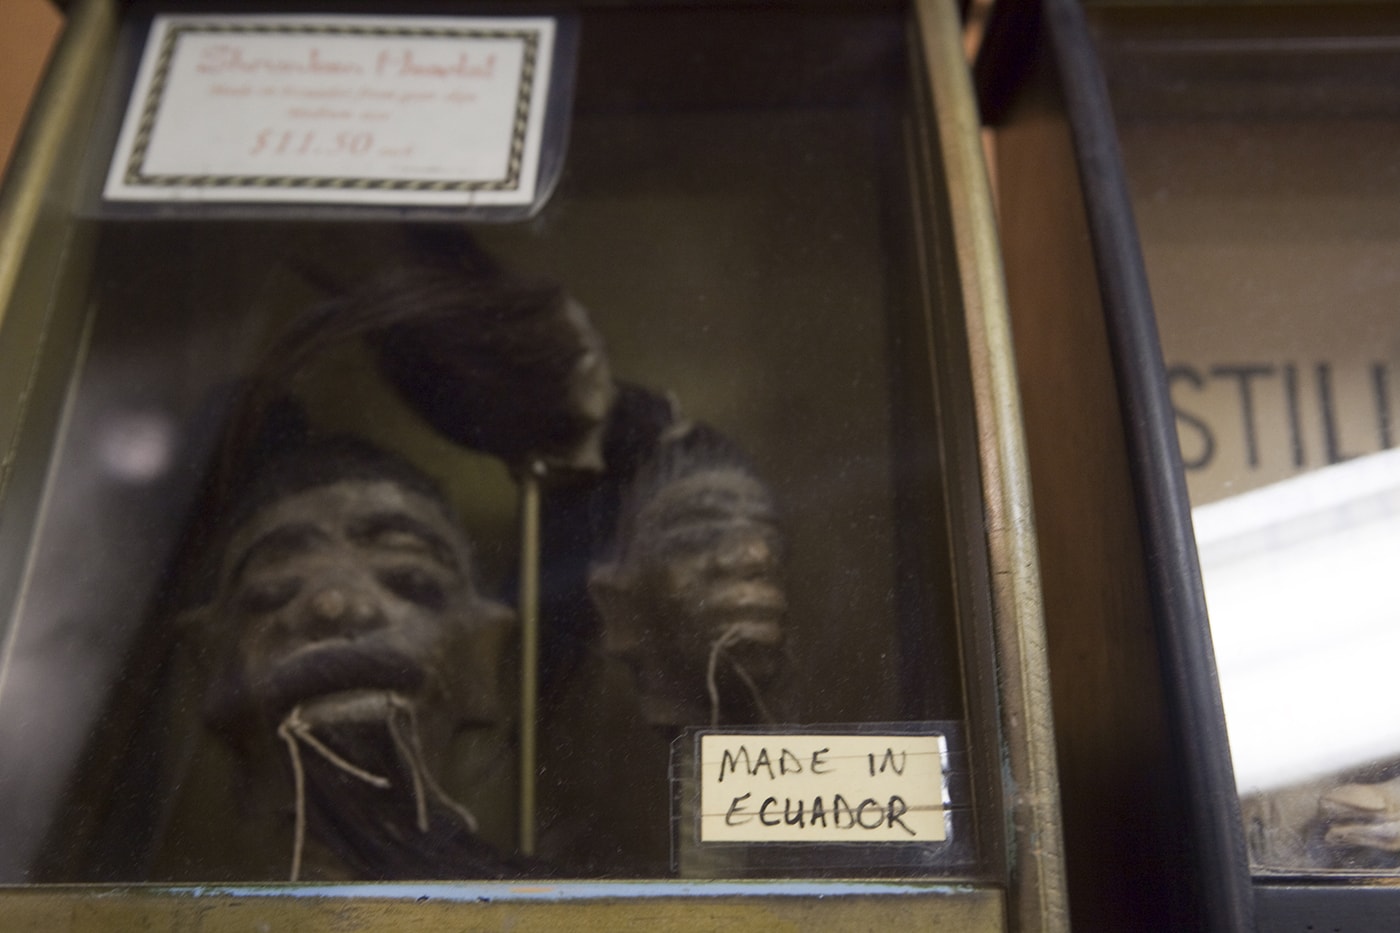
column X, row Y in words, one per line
column 132, row 179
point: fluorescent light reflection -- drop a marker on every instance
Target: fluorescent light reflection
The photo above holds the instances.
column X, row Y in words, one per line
column 1301, row 586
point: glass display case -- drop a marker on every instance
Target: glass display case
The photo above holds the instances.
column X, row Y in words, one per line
column 545, row 461
column 1237, row 172
column 1261, row 166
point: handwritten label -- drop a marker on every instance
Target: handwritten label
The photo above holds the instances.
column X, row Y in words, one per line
column 823, row 788
column 422, row 110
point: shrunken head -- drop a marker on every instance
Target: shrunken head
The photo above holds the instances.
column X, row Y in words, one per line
column 693, row 597
column 344, row 572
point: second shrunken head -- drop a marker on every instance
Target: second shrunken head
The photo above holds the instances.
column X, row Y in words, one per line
column 692, row 595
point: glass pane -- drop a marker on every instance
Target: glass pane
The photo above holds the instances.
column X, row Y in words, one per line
column 269, row 627
column 1263, row 154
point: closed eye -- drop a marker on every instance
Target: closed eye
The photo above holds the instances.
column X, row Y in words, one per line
column 278, row 545
column 416, row 586
column 396, row 532
column 265, row 596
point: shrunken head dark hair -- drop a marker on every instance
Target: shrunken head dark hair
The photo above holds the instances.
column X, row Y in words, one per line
column 325, row 461
column 488, row 358
column 489, row 361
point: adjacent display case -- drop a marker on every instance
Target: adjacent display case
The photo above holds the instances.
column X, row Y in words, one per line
column 531, row 462
column 1235, row 176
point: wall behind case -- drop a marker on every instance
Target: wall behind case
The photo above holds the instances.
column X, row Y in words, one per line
column 27, row 35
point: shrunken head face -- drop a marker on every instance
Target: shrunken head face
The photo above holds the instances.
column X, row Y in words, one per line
column 695, row 600
column 360, row 584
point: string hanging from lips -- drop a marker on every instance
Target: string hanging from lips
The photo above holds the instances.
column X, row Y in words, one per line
column 295, row 730
column 733, row 634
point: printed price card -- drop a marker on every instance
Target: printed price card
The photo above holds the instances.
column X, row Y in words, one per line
column 823, row 788
column 364, row 110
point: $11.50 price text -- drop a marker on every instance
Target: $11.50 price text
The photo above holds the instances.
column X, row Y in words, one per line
column 272, row 142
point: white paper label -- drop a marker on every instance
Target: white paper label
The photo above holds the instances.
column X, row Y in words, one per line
column 422, row 110
column 823, row 788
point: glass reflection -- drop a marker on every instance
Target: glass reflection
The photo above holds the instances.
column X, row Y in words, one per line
column 1263, row 169
column 1301, row 594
